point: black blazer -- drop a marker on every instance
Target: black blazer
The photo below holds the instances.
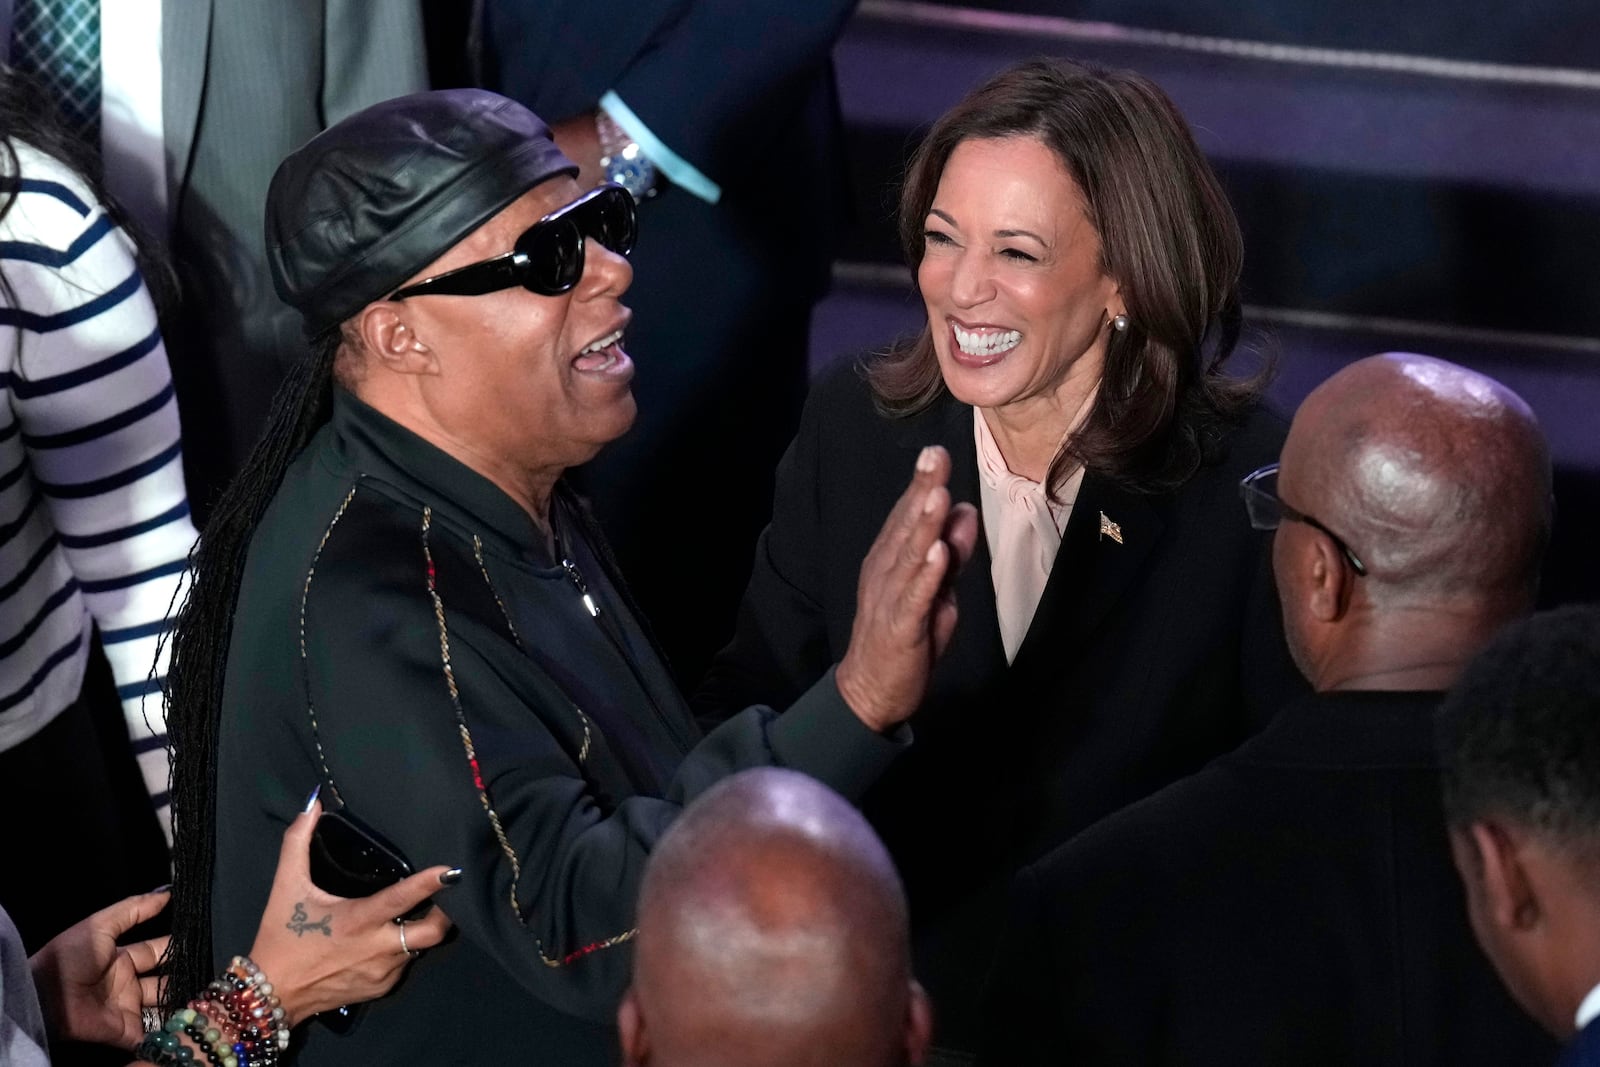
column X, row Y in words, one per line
column 1294, row 903
column 1146, row 658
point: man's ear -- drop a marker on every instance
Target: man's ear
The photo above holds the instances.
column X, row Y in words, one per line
column 392, row 341
column 630, row 1027
column 919, row 1025
column 1509, row 899
column 1330, row 581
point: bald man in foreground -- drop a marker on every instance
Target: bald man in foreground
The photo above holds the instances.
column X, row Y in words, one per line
column 1295, row 902
column 772, row 933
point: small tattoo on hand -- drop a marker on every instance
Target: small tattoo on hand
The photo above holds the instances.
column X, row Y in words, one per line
column 299, row 922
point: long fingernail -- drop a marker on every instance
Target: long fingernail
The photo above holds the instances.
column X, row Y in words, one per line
column 925, row 460
column 312, row 799
column 933, row 552
column 162, row 888
column 450, row 877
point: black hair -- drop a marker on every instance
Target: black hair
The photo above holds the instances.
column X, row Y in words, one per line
column 200, row 640
column 28, row 115
column 1519, row 735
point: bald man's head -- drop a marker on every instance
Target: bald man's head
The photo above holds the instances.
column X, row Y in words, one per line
column 1437, row 478
column 772, row 931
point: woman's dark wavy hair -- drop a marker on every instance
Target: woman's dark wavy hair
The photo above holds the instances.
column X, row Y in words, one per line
column 29, row 116
column 201, row 636
column 1168, row 237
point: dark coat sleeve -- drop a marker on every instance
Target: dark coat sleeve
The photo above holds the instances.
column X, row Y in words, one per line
column 1078, row 975
column 719, row 88
column 780, row 643
column 1016, row 998
column 559, row 57
column 713, row 79
column 440, row 733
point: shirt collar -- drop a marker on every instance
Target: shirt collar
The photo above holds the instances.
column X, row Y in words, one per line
column 1589, row 1009
column 372, row 443
column 996, row 475
column 1349, row 728
column 1001, row 479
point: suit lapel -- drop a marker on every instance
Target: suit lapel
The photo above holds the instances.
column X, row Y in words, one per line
column 185, row 49
column 975, row 656
column 1091, row 572
column 977, row 653
column 1092, row 569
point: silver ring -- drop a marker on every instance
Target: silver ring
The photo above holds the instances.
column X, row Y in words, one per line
column 407, row 949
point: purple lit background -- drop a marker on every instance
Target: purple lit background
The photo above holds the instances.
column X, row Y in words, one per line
column 1448, row 204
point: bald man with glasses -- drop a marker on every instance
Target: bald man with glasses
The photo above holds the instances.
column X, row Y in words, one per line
column 1295, row 902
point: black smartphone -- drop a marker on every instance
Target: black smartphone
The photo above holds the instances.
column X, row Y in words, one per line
column 351, row 859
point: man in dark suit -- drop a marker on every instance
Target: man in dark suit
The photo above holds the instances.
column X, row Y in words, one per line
column 1519, row 737
column 733, row 105
column 772, row 933
column 1294, row 902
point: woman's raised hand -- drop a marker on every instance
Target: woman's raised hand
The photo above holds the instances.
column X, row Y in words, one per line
column 320, row 951
column 905, row 600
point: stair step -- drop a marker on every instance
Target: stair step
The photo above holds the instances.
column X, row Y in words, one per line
column 1459, row 193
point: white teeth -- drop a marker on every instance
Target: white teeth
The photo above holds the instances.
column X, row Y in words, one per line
column 604, row 342
column 986, row 342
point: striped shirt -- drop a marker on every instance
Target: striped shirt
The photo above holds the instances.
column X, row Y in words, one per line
column 94, row 521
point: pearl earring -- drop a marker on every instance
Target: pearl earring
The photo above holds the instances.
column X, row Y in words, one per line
column 1120, row 323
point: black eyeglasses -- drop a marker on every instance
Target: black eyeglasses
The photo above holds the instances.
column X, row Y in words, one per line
column 548, row 258
column 1267, row 510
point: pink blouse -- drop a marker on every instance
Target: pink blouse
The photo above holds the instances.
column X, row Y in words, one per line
column 1023, row 528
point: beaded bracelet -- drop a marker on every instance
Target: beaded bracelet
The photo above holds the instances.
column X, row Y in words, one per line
column 236, row 1021
column 245, row 1044
column 264, row 1029
column 206, row 1037
column 163, row 1048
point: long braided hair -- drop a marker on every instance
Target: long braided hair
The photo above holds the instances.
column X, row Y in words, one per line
column 200, row 640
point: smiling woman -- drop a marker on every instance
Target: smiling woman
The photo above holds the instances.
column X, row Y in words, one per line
column 1098, row 203
column 1018, row 302
column 1079, row 264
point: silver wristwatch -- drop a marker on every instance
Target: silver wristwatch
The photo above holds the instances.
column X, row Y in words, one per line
column 623, row 161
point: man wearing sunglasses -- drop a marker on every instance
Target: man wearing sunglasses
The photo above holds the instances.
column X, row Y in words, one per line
column 1295, row 902
column 401, row 600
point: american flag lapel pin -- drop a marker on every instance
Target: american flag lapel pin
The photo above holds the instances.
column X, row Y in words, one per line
column 1109, row 529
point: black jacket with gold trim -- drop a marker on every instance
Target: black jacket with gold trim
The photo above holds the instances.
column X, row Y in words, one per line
column 404, row 637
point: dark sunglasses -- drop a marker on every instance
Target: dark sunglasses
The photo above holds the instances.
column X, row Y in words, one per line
column 1267, row 510
column 548, row 258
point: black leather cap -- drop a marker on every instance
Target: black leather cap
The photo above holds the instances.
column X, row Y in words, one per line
column 370, row 201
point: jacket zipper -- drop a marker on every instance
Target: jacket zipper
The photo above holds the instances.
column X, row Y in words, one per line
column 582, row 586
column 592, row 606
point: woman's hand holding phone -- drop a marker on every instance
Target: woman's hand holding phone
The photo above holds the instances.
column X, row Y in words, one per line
column 321, row 951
